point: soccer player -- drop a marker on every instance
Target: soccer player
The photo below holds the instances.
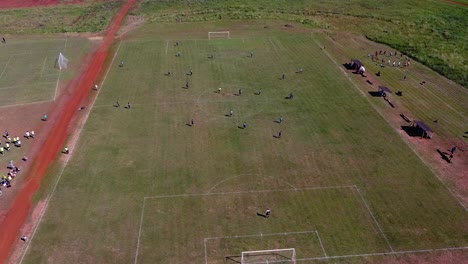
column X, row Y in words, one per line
column 186, row 85
column 283, row 76
column 281, row 119
column 267, row 212
column 219, row 90
column 121, row 63
column 244, row 125
column 128, row 105
column 240, row 91
column 280, row 133
column 117, row 104
column 192, row 122
column 231, row 113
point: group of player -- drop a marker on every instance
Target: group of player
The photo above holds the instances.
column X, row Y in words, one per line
column 5, row 180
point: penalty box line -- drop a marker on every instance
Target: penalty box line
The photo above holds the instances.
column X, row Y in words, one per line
column 386, row 253
column 262, row 235
column 220, row 193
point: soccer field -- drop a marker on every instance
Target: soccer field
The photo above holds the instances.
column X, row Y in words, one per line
column 29, row 72
column 144, row 185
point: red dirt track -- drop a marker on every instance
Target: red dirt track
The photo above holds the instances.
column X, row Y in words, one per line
column 65, row 111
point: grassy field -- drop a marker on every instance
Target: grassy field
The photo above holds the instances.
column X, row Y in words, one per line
column 144, row 186
column 28, row 68
column 91, row 16
column 433, row 32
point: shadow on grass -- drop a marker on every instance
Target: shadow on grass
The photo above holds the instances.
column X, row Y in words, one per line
column 444, row 155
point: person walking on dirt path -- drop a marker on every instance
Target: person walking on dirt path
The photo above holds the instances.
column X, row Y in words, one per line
column 24, row 238
column 44, row 117
column 66, row 150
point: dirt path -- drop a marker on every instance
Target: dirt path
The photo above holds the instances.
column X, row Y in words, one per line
column 455, row 3
column 65, row 111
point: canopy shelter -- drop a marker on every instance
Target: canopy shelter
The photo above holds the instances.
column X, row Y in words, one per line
column 383, row 90
column 356, row 64
column 422, row 129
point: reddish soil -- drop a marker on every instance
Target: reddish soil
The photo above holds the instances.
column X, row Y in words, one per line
column 63, row 115
column 455, row 3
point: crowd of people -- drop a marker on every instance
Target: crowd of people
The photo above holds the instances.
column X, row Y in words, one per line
column 6, row 179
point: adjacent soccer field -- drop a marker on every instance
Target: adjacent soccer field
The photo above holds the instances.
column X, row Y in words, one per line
column 144, row 186
column 29, row 72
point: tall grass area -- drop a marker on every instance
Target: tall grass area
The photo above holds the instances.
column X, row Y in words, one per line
column 432, row 32
column 88, row 17
column 332, row 137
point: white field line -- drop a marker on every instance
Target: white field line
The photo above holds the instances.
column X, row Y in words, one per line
column 385, row 253
column 60, row 72
column 246, row 192
column 227, row 193
column 439, row 99
column 139, row 232
column 75, row 139
column 167, row 46
column 257, row 235
column 221, row 101
column 49, row 196
column 264, row 235
column 373, row 217
column 428, row 165
column 43, row 66
column 33, row 103
column 33, row 52
column 339, row 67
column 6, row 65
column 321, row 244
column 15, row 86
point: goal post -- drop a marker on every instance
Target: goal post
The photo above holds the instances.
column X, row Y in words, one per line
column 277, row 256
column 62, row 61
column 219, row 34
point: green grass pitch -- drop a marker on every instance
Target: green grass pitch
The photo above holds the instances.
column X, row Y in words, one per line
column 29, row 72
column 205, row 183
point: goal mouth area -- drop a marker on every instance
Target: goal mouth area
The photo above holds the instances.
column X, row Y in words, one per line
column 283, row 255
column 219, row 35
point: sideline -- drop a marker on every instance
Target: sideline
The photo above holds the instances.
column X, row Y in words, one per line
column 75, row 139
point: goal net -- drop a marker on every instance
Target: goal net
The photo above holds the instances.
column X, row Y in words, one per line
column 62, row 61
column 277, row 256
column 219, row 34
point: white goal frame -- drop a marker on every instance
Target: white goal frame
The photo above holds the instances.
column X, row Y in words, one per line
column 62, row 61
column 267, row 252
column 219, row 34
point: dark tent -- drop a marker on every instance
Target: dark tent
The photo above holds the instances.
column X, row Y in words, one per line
column 356, row 64
column 421, row 129
column 384, row 89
